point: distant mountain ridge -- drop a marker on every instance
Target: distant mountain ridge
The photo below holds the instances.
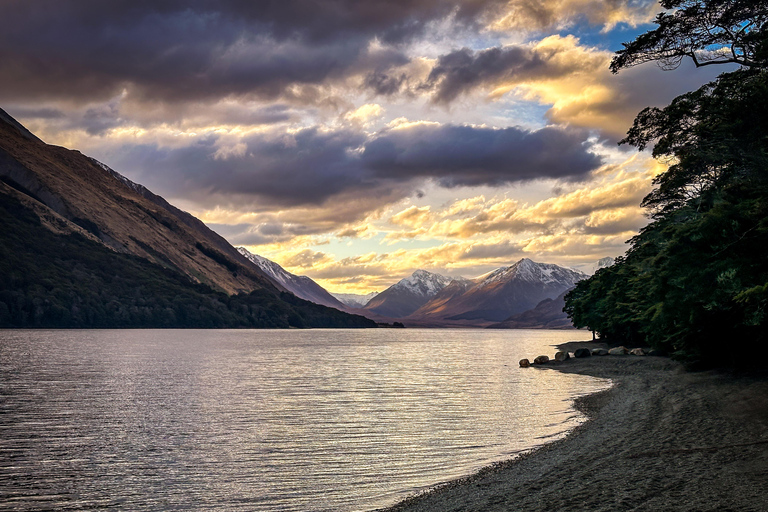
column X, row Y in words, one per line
column 495, row 296
column 548, row 314
column 355, row 300
column 407, row 295
column 301, row 286
column 603, row 263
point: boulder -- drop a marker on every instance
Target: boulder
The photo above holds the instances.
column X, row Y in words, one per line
column 637, row 352
column 599, row 352
column 582, row 352
column 541, row 360
column 658, row 353
column 618, row 351
column 524, row 363
column 562, row 356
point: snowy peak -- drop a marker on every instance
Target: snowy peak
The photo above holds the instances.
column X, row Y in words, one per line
column 603, row 263
column 269, row 267
column 532, row 272
column 495, row 296
column 301, row 286
column 408, row 295
column 423, row 283
column 355, row 300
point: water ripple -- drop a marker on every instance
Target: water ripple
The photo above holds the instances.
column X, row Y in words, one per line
column 266, row 420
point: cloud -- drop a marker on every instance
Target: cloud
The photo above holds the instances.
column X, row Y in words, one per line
column 412, row 216
column 543, row 14
column 464, row 70
column 180, row 51
column 472, row 156
column 315, row 165
column 573, row 79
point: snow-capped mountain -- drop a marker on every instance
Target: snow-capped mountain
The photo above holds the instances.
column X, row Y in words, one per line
column 354, row 300
column 495, row 296
column 301, row 286
column 603, row 263
column 407, row 295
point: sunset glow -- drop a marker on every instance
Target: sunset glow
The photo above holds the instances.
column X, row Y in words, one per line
column 355, row 142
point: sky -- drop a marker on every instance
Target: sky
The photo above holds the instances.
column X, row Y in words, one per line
column 357, row 141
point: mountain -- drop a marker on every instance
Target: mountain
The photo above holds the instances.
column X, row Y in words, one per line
column 548, row 314
column 82, row 246
column 498, row 294
column 120, row 214
column 603, row 263
column 432, row 308
column 354, row 300
column 407, row 295
column 301, row 286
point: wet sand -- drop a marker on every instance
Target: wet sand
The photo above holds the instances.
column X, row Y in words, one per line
column 662, row 439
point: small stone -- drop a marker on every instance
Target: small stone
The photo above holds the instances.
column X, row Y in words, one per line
column 541, row 360
column 524, row 363
column 637, row 352
column 562, row 356
column 618, row 351
column 582, row 352
column 599, row 352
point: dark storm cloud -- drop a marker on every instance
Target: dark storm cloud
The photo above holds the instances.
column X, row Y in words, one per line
column 176, row 50
column 264, row 233
column 470, row 156
column 303, row 168
column 463, row 70
column 312, row 166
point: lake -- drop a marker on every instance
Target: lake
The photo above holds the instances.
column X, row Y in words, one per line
column 294, row 420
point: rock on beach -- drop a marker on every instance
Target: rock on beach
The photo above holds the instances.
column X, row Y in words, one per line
column 651, row 444
column 582, row 352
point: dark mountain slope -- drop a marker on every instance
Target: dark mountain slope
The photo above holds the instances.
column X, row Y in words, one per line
column 63, row 264
column 50, row 279
column 301, row 286
column 548, row 314
column 122, row 215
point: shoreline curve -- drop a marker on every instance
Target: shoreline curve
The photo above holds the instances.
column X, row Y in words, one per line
column 660, row 438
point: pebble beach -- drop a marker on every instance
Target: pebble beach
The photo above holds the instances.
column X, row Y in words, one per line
column 661, row 439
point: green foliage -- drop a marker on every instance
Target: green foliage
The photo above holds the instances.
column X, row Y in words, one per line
column 715, row 136
column 691, row 283
column 706, row 31
column 694, row 281
column 49, row 280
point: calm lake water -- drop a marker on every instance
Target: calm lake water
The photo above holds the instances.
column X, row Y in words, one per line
column 304, row 420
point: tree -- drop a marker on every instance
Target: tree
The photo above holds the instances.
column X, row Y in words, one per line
column 697, row 274
column 706, row 31
column 714, row 136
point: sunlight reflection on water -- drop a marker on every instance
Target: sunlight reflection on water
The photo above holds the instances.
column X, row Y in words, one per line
column 337, row 420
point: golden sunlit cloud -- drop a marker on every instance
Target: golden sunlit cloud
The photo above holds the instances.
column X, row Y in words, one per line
column 520, row 15
column 473, row 235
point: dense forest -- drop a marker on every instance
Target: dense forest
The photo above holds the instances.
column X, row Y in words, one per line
column 51, row 280
column 694, row 281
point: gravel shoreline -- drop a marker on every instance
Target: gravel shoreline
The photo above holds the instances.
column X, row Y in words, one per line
column 662, row 439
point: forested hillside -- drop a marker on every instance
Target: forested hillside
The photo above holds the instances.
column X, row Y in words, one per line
column 59, row 280
column 695, row 280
